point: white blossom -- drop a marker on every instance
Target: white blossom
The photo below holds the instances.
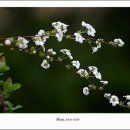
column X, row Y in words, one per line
column 66, row 52
column 40, row 41
column 98, row 43
column 45, row 64
column 128, row 104
column 8, row 42
column 119, row 42
column 79, row 38
column 83, row 73
column 76, row 64
column 95, row 49
column 90, row 30
column 104, row 82
column 40, row 38
column 95, row 72
column 98, row 75
column 114, row 100
column 127, row 97
column 107, row 95
column 41, row 33
column 60, row 26
column 86, row 91
column 22, row 43
column 59, row 35
column 51, row 51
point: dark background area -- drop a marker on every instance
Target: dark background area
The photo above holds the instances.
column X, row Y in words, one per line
column 56, row 90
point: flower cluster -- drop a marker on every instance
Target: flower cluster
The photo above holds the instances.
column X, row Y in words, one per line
column 114, row 100
column 40, row 39
column 67, row 53
column 48, row 58
column 90, row 30
column 86, row 35
column 61, row 28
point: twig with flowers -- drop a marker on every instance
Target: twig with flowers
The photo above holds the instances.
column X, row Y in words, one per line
column 85, row 35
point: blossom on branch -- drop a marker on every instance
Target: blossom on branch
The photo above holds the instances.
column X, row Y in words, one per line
column 79, row 38
column 76, row 64
column 90, row 30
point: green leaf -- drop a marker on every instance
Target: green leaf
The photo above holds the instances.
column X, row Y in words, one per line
column 4, row 68
column 9, row 81
column 9, row 104
column 10, row 107
column 1, row 82
column 2, row 61
column 16, row 107
column 8, row 88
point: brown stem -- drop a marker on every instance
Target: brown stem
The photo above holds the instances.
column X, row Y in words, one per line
column 3, row 101
column 3, row 38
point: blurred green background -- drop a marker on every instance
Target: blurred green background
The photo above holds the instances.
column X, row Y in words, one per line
column 57, row 90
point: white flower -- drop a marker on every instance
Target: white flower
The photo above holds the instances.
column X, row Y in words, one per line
column 40, row 41
column 40, row 38
column 98, row 43
column 41, row 32
column 107, row 95
column 22, row 43
column 127, row 97
column 95, row 49
column 66, row 52
column 119, row 42
column 51, row 51
column 86, row 91
column 8, row 42
column 104, row 82
column 98, row 75
column 76, row 64
column 90, row 30
column 114, row 100
column 45, row 64
column 128, row 104
column 95, row 72
column 60, row 26
column 79, row 38
column 93, row 69
column 82, row 73
column 59, row 36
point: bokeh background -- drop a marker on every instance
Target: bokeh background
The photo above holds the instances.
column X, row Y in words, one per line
column 57, row 90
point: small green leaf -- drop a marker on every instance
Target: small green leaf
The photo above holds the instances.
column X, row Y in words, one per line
column 8, row 88
column 1, row 82
column 4, row 68
column 9, row 104
column 9, row 81
column 10, row 107
column 2, row 61
column 17, row 107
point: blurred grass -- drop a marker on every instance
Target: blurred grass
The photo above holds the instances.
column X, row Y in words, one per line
column 58, row 90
